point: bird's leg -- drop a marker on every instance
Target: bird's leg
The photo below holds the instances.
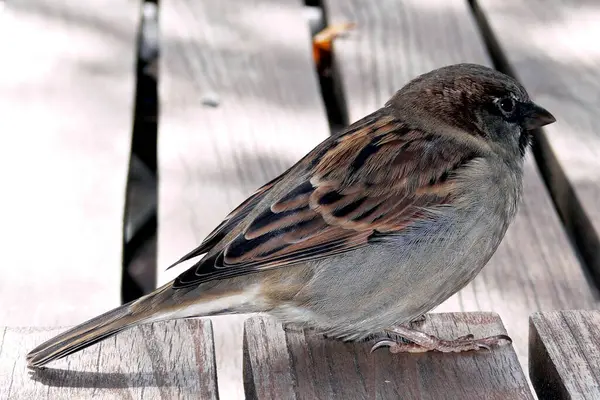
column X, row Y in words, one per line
column 421, row 342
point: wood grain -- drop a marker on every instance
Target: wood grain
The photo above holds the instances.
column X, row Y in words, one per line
column 66, row 111
column 559, row 62
column 172, row 360
column 535, row 267
column 564, row 349
column 239, row 103
column 292, row 364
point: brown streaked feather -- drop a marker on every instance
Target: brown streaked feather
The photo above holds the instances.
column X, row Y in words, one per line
column 374, row 179
column 231, row 220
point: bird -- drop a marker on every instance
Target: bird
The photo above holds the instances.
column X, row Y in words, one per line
column 373, row 228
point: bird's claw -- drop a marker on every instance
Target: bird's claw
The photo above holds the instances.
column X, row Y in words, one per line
column 383, row 343
column 460, row 344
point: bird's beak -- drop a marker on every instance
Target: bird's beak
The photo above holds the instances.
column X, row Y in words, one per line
column 535, row 116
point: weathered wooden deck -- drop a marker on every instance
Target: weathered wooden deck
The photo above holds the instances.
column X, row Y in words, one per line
column 240, row 101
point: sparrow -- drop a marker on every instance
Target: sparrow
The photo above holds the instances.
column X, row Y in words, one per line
column 373, row 228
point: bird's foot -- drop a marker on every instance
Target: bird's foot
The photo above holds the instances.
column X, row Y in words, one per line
column 420, row 342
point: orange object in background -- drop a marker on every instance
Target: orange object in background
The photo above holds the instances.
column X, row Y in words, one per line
column 322, row 43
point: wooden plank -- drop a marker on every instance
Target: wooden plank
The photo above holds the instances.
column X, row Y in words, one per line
column 535, row 267
column 565, row 354
column 164, row 360
column 560, row 64
column 292, row 364
column 66, row 95
column 239, row 103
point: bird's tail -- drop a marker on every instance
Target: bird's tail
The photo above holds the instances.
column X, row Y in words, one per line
column 159, row 305
column 99, row 328
column 84, row 335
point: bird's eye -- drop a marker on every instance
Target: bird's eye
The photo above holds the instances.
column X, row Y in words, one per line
column 506, row 105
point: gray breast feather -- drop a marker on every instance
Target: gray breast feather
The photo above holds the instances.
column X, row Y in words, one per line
column 409, row 273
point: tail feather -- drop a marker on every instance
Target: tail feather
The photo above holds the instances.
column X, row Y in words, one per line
column 159, row 305
column 84, row 335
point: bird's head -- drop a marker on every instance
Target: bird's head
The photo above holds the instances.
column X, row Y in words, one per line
column 475, row 99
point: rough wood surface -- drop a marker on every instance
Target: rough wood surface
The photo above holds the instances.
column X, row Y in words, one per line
column 550, row 45
column 291, row 364
column 564, row 349
column 535, row 267
column 171, row 360
column 66, row 111
column 239, row 103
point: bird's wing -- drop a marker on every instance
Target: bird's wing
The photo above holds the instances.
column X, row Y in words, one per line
column 230, row 222
column 373, row 180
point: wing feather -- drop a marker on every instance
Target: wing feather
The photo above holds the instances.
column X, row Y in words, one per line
column 374, row 179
